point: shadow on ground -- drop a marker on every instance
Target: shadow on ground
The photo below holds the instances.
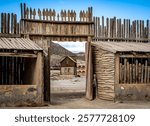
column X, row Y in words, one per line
column 64, row 98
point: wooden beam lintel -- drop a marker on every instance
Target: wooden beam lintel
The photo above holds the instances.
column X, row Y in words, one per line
column 18, row 55
column 57, row 35
column 134, row 56
column 10, row 35
column 58, row 22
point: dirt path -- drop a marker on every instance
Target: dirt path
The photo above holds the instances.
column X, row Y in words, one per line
column 70, row 94
column 75, row 84
column 78, row 101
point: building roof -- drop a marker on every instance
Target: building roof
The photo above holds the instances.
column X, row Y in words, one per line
column 18, row 44
column 69, row 58
column 123, row 46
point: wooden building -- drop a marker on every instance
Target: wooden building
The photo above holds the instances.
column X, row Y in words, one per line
column 21, row 72
column 81, row 69
column 68, row 66
column 122, row 70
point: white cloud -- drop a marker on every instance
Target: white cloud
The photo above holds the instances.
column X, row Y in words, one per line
column 73, row 46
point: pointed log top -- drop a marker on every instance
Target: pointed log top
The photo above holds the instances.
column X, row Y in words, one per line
column 34, row 11
column 30, row 10
column 74, row 13
column 54, row 12
column 81, row 13
column 39, row 11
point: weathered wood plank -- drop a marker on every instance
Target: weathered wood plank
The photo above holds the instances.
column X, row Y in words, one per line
column 142, row 73
column 125, row 70
column 21, row 8
column 136, row 71
column 117, row 74
column 4, row 23
column 89, row 75
column 18, row 55
column 103, row 27
column 130, row 74
column 146, row 72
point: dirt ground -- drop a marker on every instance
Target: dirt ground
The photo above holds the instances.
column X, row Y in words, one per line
column 78, row 101
column 70, row 94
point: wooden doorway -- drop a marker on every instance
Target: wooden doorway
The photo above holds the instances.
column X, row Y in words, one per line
column 67, row 85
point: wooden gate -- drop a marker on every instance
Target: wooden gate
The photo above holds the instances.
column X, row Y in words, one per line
column 44, row 26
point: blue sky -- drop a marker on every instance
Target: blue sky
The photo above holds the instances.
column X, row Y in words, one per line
column 129, row 9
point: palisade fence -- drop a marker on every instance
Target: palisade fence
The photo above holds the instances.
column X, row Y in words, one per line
column 9, row 24
column 113, row 29
column 65, row 25
column 104, row 29
column 52, row 15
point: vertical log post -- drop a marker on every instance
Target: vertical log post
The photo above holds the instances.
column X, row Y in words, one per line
column 125, row 70
column 107, row 27
column 103, row 26
column 146, row 71
column 1, row 22
column 12, row 23
column 47, row 77
column 134, row 73
column 142, row 73
column 4, row 23
column 131, row 75
column 24, row 10
column 21, row 7
column 128, row 72
column 136, row 69
column 89, row 69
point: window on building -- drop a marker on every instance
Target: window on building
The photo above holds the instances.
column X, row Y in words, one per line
column 134, row 70
column 16, row 70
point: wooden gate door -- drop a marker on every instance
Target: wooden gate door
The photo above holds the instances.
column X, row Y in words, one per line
column 47, row 77
column 89, row 71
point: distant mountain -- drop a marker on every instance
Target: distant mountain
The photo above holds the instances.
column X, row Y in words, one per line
column 80, row 56
column 59, row 50
column 58, row 53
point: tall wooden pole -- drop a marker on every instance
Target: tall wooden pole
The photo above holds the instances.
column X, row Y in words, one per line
column 89, row 71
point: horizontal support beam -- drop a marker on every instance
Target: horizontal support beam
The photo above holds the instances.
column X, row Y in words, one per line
column 135, row 56
column 57, row 35
column 138, row 84
column 120, row 39
column 58, row 22
column 18, row 55
column 18, row 85
column 10, row 35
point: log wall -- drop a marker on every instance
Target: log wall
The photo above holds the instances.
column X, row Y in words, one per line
column 57, row 26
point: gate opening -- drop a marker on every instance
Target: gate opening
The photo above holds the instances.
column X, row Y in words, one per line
column 67, row 71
